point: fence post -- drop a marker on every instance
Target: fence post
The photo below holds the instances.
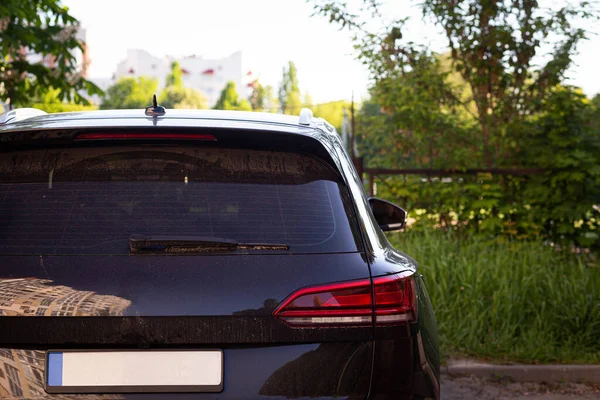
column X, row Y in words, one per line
column 371, row 184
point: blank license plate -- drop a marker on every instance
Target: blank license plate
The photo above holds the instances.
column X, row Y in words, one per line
column 134, row 371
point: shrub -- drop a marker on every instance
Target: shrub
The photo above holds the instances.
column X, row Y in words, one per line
column 511, row 300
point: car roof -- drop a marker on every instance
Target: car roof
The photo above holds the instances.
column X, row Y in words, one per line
column 172, row 118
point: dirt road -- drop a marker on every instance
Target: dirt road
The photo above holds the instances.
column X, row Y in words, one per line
column 469, row 387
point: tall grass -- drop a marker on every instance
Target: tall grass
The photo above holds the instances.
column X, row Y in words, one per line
column 521, row 301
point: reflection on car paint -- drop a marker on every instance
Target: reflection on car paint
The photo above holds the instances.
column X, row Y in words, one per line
column 22, row 371
column 305, row 376
column 38, row 297
column 22, row 376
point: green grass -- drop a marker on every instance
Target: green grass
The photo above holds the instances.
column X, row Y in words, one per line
column 511, row 301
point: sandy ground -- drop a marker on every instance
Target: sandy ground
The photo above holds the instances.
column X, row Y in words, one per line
column 470, row 387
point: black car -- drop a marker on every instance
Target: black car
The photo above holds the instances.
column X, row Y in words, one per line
column 201, row 255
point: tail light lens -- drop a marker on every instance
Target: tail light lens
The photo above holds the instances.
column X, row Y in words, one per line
column 351, row 303
column 395, row 299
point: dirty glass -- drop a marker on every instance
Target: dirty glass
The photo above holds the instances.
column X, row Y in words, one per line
column 91, row 200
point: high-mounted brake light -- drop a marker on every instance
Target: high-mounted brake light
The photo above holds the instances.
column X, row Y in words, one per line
column 118, row 135
column 351, row 303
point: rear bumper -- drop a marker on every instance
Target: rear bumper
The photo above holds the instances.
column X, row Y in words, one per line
column 398, row 369
column 326, row 370
column 405, row 364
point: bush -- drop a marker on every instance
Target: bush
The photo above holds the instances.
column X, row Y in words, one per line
column 553, row 206
column 521, row 301
column 62, row 107
column 183, row 98
column 559, row 203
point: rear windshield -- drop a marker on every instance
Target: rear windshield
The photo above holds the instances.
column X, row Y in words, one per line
column 91, row 200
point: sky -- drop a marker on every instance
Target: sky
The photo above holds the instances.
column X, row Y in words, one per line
column 269, row 33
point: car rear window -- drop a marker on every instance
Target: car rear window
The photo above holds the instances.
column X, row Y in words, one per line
column 91, row 200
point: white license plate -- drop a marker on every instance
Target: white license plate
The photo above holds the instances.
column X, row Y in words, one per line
column 157, row 371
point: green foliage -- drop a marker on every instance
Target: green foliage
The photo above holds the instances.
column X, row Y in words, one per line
column 229, row 100
column 63, row 107
column 290, row 99
column 496, row 100
column 561, row 141
column 175, row 77
column 244, row 105
column 257, row 98
column 51, row 103
column 332, row 112
column 46, row 28
column 271, row 103
column 175, row 95
column 184, row 98
column 418, row 124
column 561, row 205
column 493, row 47
column 130, row 93
column 511, row 300
column 262, row 98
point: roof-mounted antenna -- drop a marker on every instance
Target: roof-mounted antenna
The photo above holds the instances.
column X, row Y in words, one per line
column 155, row 110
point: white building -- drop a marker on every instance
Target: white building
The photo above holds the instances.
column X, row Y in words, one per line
column 209, row 76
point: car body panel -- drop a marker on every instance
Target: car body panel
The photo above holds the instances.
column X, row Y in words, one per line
column 170, row 286
column 173, row 118
column 399, row 362
column 338, row 370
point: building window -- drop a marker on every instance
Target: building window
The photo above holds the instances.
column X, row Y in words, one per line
column 13, row 380
column 46, row 302
column 35, row 391
column 6, row 353
column 38, row 376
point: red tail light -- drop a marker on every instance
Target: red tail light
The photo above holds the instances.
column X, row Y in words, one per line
column 118, row 135
column 351, row 303
column 395, row 299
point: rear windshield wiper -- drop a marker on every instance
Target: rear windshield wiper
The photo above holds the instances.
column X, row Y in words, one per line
column 143, row 244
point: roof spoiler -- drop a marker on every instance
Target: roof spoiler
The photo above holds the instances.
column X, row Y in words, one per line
column 20, row 114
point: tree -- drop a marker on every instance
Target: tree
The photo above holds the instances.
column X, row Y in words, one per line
column 563, row 139
column 332, row 112
column 308, row 101
column 46, row 28
column 257, row 97
column 262, row 99
column 175, row 77
column 497, row 99
column 130, row 93
column 289, row 91
column 497, row 47
column 51, row 103
column 182, row 98
column 271, row 103
column 229, row 100
column 175, row 95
